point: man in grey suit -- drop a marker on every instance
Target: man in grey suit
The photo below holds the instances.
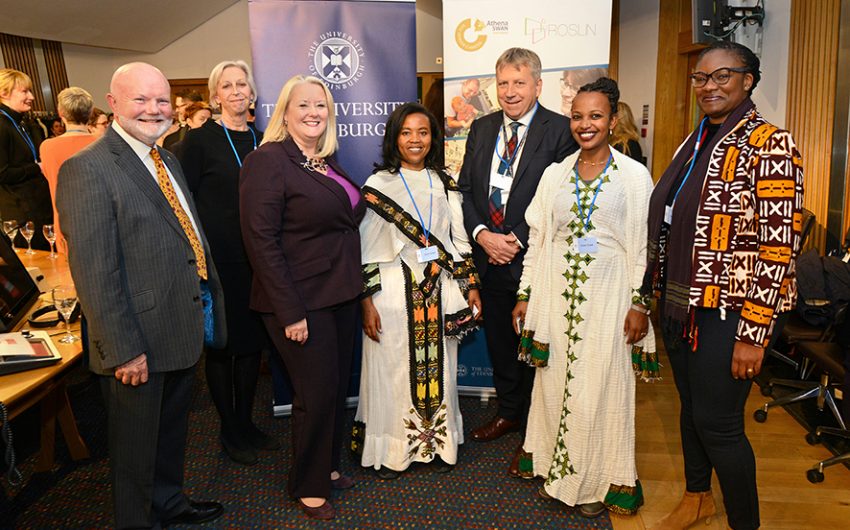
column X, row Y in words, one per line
column 150, row 293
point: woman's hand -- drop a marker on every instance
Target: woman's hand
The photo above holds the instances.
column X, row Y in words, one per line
column 371, row 319
column 746, row 360
column 474, row 301
column 636, row 326
column 518, row 316
column 297, row 332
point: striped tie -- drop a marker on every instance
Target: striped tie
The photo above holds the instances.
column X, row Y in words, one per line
column 171, row 196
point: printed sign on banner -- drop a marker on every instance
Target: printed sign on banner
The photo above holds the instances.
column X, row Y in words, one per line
column 345, row 44
column 572, row 38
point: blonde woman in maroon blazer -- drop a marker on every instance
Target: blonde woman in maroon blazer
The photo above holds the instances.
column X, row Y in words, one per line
column 299, row 216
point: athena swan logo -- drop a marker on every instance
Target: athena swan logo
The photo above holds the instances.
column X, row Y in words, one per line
column 476, row 28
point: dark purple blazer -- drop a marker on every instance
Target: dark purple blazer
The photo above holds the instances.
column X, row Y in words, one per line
column 300, row 234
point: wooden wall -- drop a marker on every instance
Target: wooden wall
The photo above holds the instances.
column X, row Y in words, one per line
column 20, row 53
column 813, row 52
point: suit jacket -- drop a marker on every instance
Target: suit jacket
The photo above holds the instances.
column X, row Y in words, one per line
column 132, row 264
column 549, row 140
column 300, row 233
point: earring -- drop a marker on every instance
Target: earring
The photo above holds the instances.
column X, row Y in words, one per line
column 610, row 132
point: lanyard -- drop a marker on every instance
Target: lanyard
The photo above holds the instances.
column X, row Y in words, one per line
column 23, row 134
column 596, row 194
column 238, row 160
column 504, row 134
column 430, row 207
column 693, row 159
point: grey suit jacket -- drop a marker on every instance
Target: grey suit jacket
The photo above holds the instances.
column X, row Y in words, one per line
column 132, row 264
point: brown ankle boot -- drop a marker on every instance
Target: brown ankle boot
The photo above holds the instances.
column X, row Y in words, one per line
column 692, row 508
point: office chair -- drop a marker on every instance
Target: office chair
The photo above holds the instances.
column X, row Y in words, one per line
column 827, row 356
column 835, row 354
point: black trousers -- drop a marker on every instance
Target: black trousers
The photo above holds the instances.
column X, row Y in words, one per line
column 513, row 379
column 148, row 425
column 319, row 371
column 712, row 416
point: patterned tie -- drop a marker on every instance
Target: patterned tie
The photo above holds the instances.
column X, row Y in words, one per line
column 171, row 196
column 497, row 214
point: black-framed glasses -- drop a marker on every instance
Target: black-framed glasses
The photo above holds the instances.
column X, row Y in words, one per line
column 721, row 76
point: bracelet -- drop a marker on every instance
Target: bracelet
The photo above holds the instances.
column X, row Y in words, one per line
column 641, row 309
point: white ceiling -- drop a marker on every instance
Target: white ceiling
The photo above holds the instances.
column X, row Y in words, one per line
column 141, row 25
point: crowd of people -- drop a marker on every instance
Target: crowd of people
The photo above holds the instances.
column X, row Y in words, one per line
column 243, row 240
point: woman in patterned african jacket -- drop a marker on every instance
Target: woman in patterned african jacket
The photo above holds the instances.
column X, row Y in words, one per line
column 582, row 322
column 724, row 231
column 420, row 298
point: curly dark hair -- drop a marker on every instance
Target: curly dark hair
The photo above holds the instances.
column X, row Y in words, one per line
column 389, row 149
column 606, row 86
column 744, row 54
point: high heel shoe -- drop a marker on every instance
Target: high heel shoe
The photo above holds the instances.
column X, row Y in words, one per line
column 692, row 508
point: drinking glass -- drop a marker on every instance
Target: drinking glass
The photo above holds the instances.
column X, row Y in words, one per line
column 10, row 228
column 65, row 300
column 28, row 230
column 50, row 235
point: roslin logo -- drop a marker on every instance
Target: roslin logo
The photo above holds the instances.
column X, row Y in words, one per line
column 337, row 58
column 460, row 35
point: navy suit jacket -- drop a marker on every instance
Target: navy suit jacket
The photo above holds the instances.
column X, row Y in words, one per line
column 548, row 140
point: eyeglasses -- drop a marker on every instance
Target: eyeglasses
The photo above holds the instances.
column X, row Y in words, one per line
column 721, row 76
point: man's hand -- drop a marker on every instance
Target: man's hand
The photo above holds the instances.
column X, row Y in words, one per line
column 500, row 248
column 133, row 372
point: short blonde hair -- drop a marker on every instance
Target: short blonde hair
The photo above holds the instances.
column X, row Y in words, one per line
column 11, row 79
column 519, row 57
column 218, row 70
column 75, row 105
column 276, row 131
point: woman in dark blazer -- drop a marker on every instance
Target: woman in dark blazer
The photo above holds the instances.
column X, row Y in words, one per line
column 299, row 214
column 24, row 193
column 211, row 156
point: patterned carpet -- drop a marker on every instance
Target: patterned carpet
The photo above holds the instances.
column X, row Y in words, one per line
column 478, row 493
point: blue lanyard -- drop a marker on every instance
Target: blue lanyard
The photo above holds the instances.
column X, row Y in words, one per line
column 238, row 160
column 23, row 134
column 596, row 194
column 430, row 207
column 693, row 159
column 504, row 133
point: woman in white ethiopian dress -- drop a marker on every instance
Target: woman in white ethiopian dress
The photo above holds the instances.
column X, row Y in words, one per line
column 583, row 324
column 420, row 297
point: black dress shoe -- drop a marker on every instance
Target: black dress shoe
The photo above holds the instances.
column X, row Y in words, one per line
column 239, row 453
column 591, row 510
column 386, row 473
column 441, row 466
column 197, row 513
column 260, row 440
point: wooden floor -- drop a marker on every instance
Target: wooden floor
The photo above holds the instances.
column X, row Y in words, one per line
column 787, row 499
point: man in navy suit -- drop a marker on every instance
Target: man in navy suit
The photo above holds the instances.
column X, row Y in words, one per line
column 506, row 154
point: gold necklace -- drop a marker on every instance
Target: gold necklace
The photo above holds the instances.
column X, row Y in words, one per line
column 588, row 162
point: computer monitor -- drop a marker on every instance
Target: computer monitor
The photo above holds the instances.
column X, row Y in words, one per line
column 18, row 291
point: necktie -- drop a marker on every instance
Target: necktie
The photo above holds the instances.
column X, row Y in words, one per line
column 497, row 214
column 171, row 196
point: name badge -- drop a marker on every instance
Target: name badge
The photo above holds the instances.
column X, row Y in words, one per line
column 587, row 245
column 424, row 255
column 668, row 214
column 503, row 182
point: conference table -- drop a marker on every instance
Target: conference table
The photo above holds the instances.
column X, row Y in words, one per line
column 47, row 386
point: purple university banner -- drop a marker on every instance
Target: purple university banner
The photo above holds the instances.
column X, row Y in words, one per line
column 365, row 51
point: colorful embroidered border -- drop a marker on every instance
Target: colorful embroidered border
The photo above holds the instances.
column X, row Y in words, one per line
column 532, row 352
column 371, row 279
column 465, row 270
column 645, row 364
column 624, row 500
